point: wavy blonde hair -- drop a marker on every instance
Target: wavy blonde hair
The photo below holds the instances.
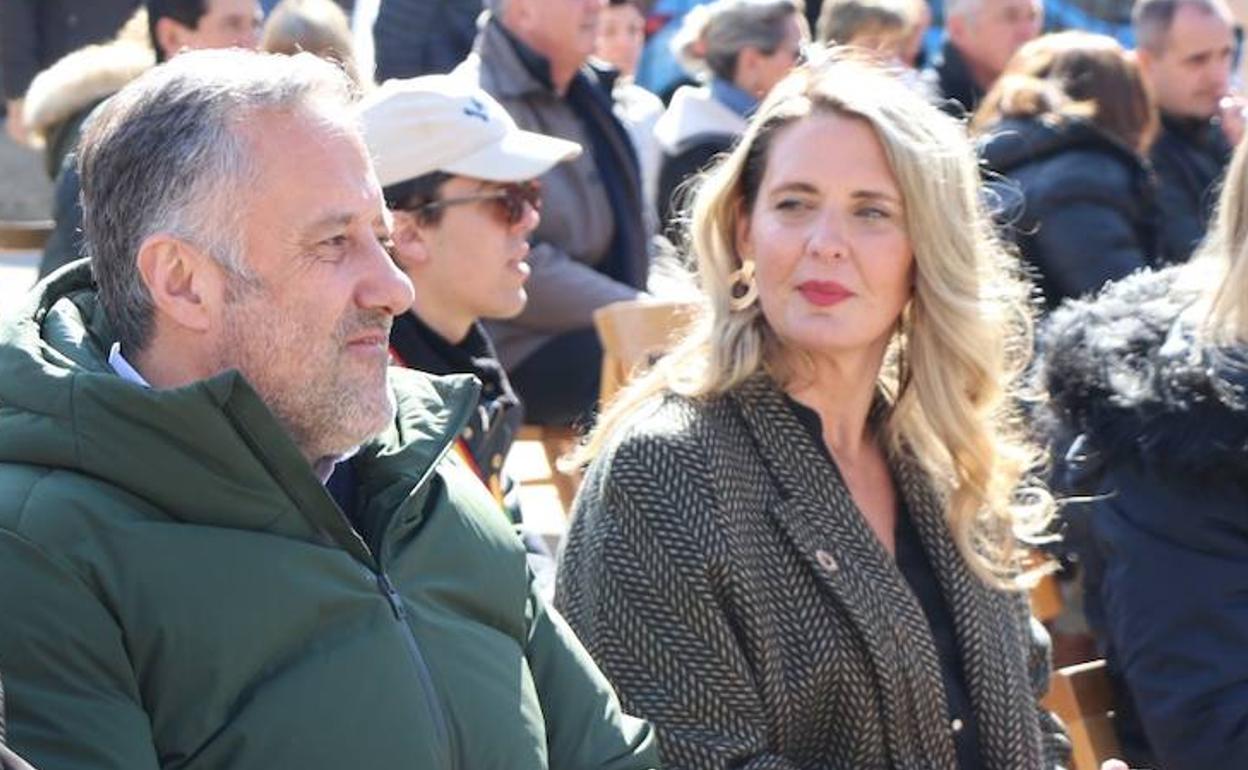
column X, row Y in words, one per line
column 1220, row 266
column 960, row 344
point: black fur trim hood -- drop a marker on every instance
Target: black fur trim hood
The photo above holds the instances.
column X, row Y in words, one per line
column 1128, row 372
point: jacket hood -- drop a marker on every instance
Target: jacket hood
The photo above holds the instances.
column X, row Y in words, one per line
column 82, row 78
column 1015, row 142
column 695, row 112
column 210, row 452
column 1128, row 371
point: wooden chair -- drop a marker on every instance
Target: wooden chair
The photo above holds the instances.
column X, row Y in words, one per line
column 24, row 236
column 1082, row 696
column 1046, row 599
column 632, row 333
column 556, row 442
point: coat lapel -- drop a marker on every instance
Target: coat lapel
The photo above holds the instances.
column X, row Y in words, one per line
column 992, row 659
column 822, row 522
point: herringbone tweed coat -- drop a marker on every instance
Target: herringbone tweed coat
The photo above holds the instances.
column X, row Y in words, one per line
column 720, row 574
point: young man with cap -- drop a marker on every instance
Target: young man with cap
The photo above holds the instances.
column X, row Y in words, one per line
column 458, row 175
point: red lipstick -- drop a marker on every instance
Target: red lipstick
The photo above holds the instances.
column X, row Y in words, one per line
column 824, row 293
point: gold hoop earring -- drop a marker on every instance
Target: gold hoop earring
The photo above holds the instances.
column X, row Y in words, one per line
column 743, row 289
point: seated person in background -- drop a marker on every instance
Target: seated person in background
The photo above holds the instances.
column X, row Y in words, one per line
column 1064, row 134
column 795, row 543
column 1186, row 49
column 178, row 585
column 884, row 28
column 319, row 27
column 876, row 25
column 740, row 49
column 1151, row 377
column 592, row 246
column 621, row 35
column 62, row 96
column 980, row 38
column 173, row 26
column 459, row 178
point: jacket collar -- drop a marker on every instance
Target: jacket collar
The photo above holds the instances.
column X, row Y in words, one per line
column 1129, row 371
column 819, row 515
column 512, row 70
column 209, row 453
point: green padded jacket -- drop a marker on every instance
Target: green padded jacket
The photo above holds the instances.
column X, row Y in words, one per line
column 178, row 589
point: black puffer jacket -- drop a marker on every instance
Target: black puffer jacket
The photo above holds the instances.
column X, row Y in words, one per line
column 1080, row 206
column 1189, row 156
column 1161, row 420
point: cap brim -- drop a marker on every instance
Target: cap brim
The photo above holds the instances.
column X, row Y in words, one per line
column 520, row 155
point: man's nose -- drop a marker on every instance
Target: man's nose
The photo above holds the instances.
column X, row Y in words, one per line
column 384, row 286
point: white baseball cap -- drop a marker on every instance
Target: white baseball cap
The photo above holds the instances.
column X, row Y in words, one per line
column 446, row 123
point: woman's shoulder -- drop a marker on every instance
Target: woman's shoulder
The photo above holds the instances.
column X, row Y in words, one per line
column 669, row 423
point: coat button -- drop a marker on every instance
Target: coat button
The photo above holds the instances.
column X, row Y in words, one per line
column 956, row 725
column 496, row 462
column 467, row 434
column 826, row 560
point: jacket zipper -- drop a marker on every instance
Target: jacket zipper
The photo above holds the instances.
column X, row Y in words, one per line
column 422, row 669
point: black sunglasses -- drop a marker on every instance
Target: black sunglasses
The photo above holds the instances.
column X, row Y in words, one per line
column 511, row 200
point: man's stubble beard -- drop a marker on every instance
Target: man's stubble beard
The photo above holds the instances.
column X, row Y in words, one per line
column 307, row 386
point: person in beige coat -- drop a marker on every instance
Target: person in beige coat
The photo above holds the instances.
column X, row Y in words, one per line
column 591, row 247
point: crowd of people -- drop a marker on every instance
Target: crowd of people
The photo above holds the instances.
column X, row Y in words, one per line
column 954, row 308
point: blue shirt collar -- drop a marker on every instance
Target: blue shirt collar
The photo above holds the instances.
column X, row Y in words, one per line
column 735, row 99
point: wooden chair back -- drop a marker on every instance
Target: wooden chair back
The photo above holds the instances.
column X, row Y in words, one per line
column 632, row 332
column 24, row 236
column 1082, row 696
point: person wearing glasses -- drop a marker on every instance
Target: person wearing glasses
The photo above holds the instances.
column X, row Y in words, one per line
column 459, row 177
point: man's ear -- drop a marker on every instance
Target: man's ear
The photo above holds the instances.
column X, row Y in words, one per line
column 171, row 36
column 411, row 240
column 958, row 29
column 186, row 286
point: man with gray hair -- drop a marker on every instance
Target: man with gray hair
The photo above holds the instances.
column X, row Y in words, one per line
column 1186, row 50
column 591, row 247
column 178, row 586
column 980, row 38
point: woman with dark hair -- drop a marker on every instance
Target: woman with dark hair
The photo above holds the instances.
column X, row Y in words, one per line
column 1064, row 134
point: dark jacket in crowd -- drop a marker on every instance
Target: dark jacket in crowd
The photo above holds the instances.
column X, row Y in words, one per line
column 1080, row 205
column 720, row 574
column 423, row 37
column 591, row 246
column 35, row 33
column 694, row 129
column 949, row 80
column 1189, row 156
column 1160, row 424
column 178, row 588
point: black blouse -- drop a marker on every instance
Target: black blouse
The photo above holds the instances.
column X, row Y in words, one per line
column 916, row 568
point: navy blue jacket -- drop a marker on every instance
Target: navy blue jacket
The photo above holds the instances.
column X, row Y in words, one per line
column 1162, row 426
column 1080, row 206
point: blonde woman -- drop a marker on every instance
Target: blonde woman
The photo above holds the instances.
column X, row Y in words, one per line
column 1152, row 376
column 796, row 542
